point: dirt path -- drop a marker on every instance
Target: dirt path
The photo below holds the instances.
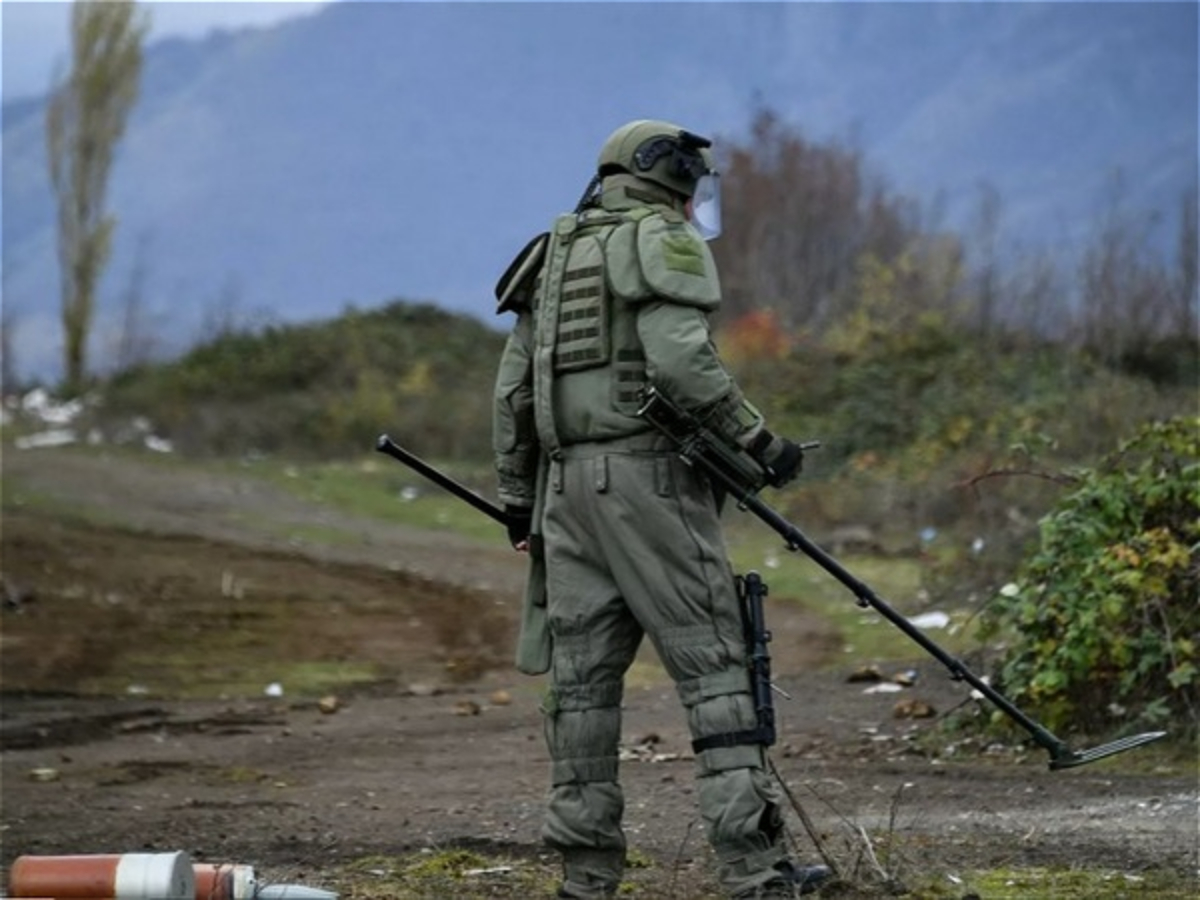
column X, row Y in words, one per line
column 441, row 744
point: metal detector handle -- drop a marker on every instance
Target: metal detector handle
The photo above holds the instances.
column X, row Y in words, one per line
column 387, row 446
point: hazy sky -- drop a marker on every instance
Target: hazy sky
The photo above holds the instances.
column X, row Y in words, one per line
column 36, row 33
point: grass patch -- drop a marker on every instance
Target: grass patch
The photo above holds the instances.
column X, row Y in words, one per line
column 18, row 495
column 388, row 491
column 1081, row 884
column 223, row 666
column 313, row 533
column 453, row 872
column 370, row 486
column 523, row 872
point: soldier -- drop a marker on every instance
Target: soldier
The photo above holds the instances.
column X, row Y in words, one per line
column 625, row 538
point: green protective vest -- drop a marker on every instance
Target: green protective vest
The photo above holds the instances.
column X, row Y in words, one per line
column 601, row 266
column 609, row 300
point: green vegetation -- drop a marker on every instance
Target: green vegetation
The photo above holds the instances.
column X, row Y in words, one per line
column 451, row 872
column 1079, row 884
column 180, row 660
column 384, row 489
column 485, row 872
column 326, row 389
column 1102, row 621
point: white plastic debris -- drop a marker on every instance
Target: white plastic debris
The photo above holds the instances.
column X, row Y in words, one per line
column 274, row 689
column 55, row 437
column 157, row 444
column 931, row 620
column 38, row 403
column 886, row 687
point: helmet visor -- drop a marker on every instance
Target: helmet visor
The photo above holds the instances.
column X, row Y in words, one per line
column 706, row 205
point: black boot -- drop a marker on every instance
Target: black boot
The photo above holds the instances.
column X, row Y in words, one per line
column 793, row 881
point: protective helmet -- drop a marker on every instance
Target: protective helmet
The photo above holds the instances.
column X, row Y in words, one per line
column 659, row 152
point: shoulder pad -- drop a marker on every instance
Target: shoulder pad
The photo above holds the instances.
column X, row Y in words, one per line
column 676, row 263
column 514, row 290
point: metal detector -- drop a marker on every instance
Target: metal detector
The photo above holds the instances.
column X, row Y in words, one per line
column 696, row 447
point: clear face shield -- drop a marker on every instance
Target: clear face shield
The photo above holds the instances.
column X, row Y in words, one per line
column 706, row 205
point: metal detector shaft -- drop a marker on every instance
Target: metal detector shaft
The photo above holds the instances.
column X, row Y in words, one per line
column 797, row 540
column 386, row 445
column 1061, row 755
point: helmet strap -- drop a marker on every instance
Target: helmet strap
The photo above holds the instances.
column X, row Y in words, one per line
column 615, row 188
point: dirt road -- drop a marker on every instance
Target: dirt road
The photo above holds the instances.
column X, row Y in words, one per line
column 116, row 571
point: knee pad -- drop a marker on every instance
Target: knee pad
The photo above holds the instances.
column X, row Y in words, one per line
column 725, row 733
column 583, row 731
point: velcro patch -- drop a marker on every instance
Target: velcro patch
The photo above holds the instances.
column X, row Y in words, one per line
column 676, row 264
column 683, row 253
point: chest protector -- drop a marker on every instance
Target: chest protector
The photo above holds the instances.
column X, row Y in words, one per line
column 588, row 365
column 584, row 283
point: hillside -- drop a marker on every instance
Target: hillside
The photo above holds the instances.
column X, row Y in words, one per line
column 322, row 388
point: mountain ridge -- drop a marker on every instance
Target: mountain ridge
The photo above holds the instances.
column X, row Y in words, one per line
column 369, row 152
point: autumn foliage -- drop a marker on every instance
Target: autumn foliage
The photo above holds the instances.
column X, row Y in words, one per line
column 755, row 335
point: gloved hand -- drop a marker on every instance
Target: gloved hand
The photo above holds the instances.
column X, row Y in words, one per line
column 781, row 458
column 519, row 522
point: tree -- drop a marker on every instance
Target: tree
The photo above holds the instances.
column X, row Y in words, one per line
column 8, row 339
column 1184, row 318
column 987, row 228
column 799, row 215
column 84, row 122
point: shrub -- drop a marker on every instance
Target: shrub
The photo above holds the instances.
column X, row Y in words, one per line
column 325, row 388
column 1104, row 615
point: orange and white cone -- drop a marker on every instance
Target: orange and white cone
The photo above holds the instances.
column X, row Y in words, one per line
column 126, row 876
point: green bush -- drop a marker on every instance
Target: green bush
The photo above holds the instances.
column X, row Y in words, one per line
column 325, row 389
column 1103, row 618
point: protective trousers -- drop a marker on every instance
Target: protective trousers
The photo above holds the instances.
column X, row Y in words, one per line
column 634, row 547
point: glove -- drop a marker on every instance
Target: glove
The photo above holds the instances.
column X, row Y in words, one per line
column 780, row 457
column 519, row 522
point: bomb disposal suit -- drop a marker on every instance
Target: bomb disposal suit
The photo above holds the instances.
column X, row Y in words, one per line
column 625, row 537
